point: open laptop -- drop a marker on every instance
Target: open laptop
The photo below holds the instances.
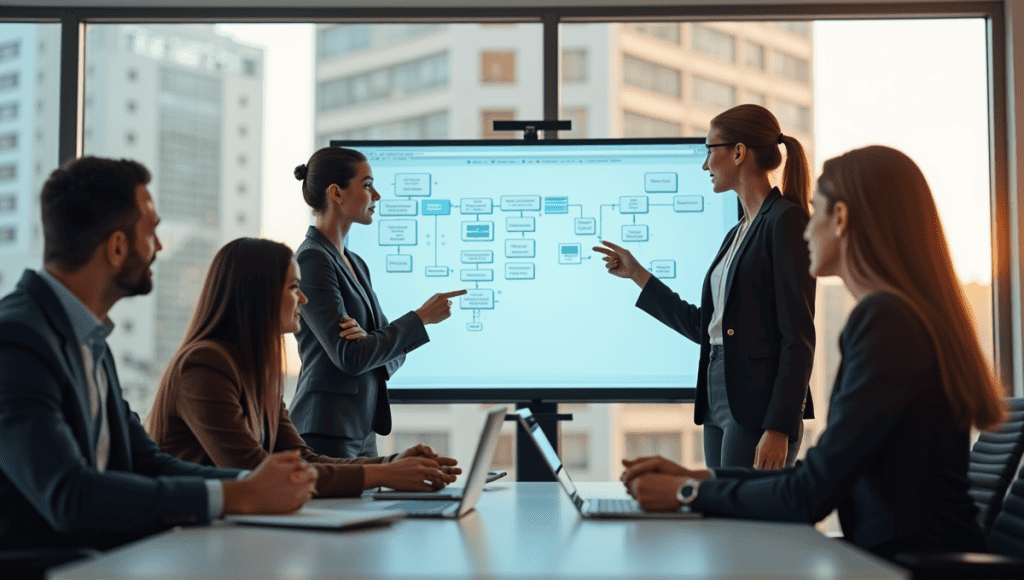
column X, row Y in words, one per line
column 453, row 504
column 590, row 508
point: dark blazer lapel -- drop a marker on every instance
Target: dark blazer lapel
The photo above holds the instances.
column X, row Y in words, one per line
column 745, row 243
column 315, row 235
column 117, row 413
column 40, row 291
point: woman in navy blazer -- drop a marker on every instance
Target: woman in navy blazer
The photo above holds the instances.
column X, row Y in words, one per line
column 755, row 322
column 913, row 380
column 348, row 347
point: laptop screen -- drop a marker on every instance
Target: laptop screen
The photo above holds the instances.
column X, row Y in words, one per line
column 482, row 460
column 550, row 457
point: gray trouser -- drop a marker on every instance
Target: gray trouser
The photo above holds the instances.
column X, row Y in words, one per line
column 726, row 442
column 346, row 447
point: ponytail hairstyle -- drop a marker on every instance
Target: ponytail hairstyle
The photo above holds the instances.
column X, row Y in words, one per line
column 897, row 245
column 240, row 306
column 330, row 165
column 758, row 129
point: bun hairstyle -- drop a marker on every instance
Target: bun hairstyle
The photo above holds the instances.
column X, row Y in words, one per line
column 758, row 129
column 330, row 165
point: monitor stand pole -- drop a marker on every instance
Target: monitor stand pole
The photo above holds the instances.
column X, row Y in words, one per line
column 530, row 466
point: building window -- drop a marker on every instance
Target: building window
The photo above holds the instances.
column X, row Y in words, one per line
column 243, row 159
column 793, row 115
column 243, row 130
column 578, row 117
column 9, row 82
column 666, row 31
column 754, row 55
column 429, row 126
column 393, row 82
column 8, row 172
column 132, row 106
column 798, row 28
column 756, row 98
column 575, row 449
column 10, row 50
column 650, row 76
column 713, row 94
column 792, row 67
column 574, row 65
column 8, row 235
column 249, row 68
column 635, row 125
column 667, row 444
column 241, row 218
column 8, row 142
column 243, row 101
column 487, row 119
column 8, row 112
column 132, row 74
column 505, row 452
column 437, row 440
column 8, row 203
column 130, row 137
column 241, row 188
column 40, row 77
column 346, row 38
column 498, row 67
column 707, row 40
column 698, row 447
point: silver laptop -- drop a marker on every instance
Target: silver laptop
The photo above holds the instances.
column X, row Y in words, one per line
column 590, row 508
column 454, row 507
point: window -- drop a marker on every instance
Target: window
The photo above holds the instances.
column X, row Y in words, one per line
column 437, row 440
column 578, row 117
column 343, row 39
column 8, row 111
column 243, row 131
column 651, row 76
column 756, row 98
column 9, row 82
column 635, row 125
column 666, row 31
column 241, row 218
column 505, row 452
column 132, row 106
column 8, row 235
column 249, row 67
column 697, row 451
column 130, row 137
column 8, row 203
column 8, row 141
column 793, row 116
column 8, row 172
column 10, row 50
column 712, row 93
column 243, row 101
column 498, row 67
column 385, row 84
column 241, row 188
column 668, row 444
column 429, row 126
column 243, row 159
column 792, row 67
column 798, row 28
column 754, row 55
column 575, row 450
column 487, row 119
column 707, row 40
column 574, row 65
column 132, row 74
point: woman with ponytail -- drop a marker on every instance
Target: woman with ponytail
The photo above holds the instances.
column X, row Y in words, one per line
column 912, row 382
column 755, row 322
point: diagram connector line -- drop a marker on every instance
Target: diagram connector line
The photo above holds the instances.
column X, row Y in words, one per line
column 436, row 242
column 600, row 219
column 579, row 205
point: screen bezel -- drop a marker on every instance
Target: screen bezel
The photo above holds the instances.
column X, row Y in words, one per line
column 553, row 394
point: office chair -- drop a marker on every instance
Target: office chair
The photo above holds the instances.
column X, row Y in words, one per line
column 995, row 461
column 33, row 564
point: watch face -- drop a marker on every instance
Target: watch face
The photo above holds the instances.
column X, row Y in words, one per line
column 687, row 490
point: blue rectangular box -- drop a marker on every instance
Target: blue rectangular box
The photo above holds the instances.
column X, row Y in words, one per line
column 436, row 207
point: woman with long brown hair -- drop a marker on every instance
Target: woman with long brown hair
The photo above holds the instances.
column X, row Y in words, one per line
column 912, row 382
column 755, row 322
column 220, row 399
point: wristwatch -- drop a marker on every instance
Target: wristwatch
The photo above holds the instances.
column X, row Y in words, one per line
column 688, row 491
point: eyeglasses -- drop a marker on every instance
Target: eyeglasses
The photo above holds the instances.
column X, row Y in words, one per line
column 720, row 145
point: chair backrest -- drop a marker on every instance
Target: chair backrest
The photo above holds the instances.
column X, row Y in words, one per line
column 995, row 458
column 1007, row 534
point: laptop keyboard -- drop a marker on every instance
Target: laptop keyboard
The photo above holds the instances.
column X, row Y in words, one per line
column 421, row 508
column 615, row 506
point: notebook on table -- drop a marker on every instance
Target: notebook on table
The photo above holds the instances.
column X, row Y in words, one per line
column 454, row 504
column 590, row 508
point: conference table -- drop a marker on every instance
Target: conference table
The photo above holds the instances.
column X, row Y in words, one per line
column 517, row 531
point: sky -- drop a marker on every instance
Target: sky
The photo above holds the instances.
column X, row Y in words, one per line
column 917, row 85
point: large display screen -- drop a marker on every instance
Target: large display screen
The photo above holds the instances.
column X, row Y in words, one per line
column 514, row 223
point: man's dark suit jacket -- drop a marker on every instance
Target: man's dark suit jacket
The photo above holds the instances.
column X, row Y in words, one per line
column 891, row 459
column 767, row 324
column 342, row 388
column 50, row 491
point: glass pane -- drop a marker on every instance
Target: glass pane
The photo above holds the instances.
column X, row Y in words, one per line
column 29, row 107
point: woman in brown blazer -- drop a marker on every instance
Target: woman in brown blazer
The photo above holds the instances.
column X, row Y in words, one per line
column 220, row 399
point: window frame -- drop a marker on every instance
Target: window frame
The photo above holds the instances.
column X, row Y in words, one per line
column 1007, row 264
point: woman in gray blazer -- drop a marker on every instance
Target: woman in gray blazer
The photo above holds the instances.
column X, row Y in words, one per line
column 913, row 380
column 755, row 321
column 348, row 347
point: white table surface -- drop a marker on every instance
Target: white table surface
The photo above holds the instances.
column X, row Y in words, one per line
column 518, row 530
